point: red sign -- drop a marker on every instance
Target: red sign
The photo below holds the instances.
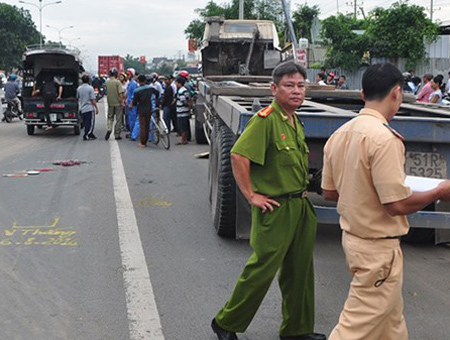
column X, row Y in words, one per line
column 143, row 60
column 193, row 45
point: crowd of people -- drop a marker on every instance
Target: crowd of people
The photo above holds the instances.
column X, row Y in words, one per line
column 332, row 79
column 432, row 89
column 132, row 100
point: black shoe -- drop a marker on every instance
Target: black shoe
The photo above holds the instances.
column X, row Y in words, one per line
column 222, row 334
column 92, row 136
column 108, row 133
column 118, row 138
column 127, row 135
column 85, row 138
column 309, row 336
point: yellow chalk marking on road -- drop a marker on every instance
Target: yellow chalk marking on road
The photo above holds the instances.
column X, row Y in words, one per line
column 154, row 201
column 52, row 235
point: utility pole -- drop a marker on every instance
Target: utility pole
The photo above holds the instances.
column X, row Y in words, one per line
column 355, row 6
column 40, row 7
column 431, row 10
column 241, row 9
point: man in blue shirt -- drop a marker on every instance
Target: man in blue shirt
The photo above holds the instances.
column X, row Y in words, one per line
column 131, row 112
column 12, row 89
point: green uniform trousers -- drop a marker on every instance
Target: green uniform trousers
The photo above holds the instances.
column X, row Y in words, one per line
column 281, row 240
column 115, row 112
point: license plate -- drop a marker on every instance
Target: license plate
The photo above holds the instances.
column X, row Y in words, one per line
column 53, row 117
column 426, row 164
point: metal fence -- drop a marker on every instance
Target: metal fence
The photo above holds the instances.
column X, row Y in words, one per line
column 353, row 78
column 434, row 66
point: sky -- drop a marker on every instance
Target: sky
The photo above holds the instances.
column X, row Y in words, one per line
column 153, row 27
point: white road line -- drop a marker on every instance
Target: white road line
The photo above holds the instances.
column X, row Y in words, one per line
column 143, row 317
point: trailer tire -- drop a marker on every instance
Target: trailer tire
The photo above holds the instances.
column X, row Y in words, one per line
column 200, row 136
column 222, row 183
column 30, row 130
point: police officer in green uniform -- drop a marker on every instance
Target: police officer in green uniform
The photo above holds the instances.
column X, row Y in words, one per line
column 270, row 164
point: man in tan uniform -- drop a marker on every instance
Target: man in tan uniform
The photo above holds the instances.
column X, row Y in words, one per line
column 364, row 172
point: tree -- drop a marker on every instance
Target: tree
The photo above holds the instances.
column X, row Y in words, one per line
column 399, row 32
column 302, row 19
column 17, row 30
column 253, row 9
column 134, row 62
column 345, row 47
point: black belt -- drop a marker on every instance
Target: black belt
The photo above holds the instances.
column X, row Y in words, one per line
column 302, row 194
column 391, row 237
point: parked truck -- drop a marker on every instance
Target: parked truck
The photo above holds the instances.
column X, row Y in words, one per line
column 227, row 102
column 107, row 62
column 62, row 65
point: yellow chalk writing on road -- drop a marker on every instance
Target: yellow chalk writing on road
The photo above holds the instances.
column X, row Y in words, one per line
column 40, row 235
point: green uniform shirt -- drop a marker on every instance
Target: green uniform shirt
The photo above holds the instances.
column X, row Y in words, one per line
column 113, row 88
column 277, row 151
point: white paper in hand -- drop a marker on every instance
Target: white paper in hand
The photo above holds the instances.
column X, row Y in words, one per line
column 421, row 184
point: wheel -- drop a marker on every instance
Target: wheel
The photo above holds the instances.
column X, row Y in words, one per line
column 156, row 137
column 8, row 115
column 30, row 130
column 200, row 135
column 223, row 185
column 164, row 134
column 76, row 130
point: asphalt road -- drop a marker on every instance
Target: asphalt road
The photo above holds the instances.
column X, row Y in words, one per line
column 61, row 269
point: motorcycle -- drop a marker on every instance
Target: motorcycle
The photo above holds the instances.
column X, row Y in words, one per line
column 12, row 111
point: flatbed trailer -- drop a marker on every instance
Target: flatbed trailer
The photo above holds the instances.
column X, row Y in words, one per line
column 225, row 106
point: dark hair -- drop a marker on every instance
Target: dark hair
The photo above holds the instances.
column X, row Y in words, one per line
column 180, row 80
column 321, row 76
column 438, row 79
column 85, row 79
column 379, row 79
column 343, row 77
column 142, row 79
column 416, row 80
column 428, row 76
column 288, row 67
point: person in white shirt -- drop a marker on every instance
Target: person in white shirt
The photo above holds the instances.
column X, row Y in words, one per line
column 436, row 96
column 320, row 79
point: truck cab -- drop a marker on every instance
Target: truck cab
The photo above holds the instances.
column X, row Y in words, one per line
column 62, row 65
column 239, row 47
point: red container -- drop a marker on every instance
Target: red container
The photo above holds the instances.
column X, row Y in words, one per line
column 106, row 63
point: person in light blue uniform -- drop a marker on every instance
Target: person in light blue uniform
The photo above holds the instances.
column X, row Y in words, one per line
column 131, row 112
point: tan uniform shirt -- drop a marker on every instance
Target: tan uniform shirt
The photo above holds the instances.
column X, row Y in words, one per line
column 364, row 162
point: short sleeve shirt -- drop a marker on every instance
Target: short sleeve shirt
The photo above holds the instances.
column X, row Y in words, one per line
column 113, row 89
column 85, row 95
column 364, row 162
column 277, row 151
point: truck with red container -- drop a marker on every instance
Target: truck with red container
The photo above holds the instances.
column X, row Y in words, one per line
column 106, row 63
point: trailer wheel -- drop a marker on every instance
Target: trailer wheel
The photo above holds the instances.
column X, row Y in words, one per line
column 30, row 130
column 222, row 184
column 200, row 136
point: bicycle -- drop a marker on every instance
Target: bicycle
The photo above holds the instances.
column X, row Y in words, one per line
column 159, row 130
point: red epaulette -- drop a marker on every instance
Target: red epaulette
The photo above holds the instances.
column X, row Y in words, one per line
column 266, row 111
column 396, row 134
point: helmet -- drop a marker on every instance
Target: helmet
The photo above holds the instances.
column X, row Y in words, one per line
column 131, row 71
column 184, row 73
column 114, row 72
column 12, row 77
